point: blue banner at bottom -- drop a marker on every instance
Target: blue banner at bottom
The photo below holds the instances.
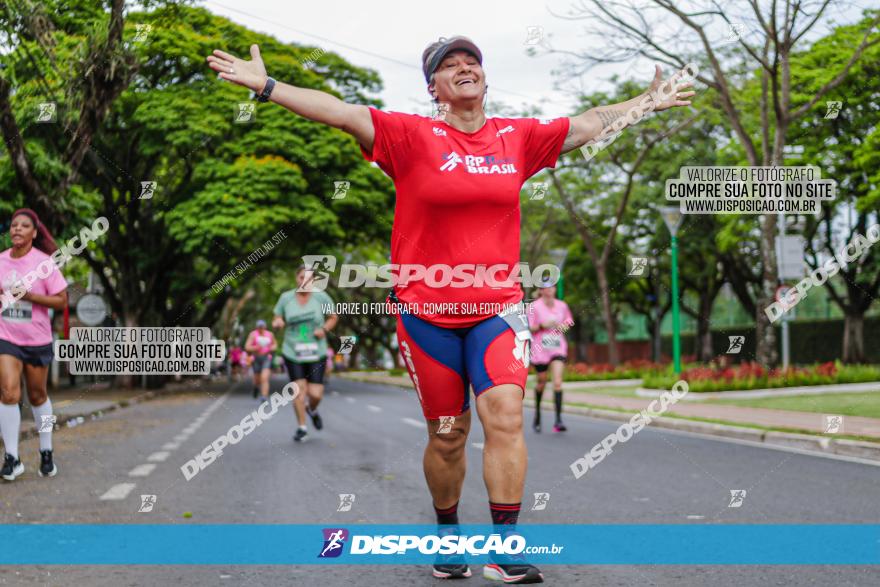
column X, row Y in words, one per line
column 244, row 544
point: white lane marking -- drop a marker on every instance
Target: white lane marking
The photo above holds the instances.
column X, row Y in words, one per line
column 142, row 470
column 478, row 445
column 695, row 517
column 170, row 446
column 373, row 408
column 413, row 422
column 181, row 437
column 350, row 400
column 158, row 457
column 190, row 429
column 118, row 491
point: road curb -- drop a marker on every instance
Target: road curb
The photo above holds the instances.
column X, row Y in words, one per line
column 61, row 421
column 809, row 442
column 697, row 396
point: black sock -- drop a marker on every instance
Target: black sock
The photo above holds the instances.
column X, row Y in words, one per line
column 557, row 401
column 504, row 518
column 504, row 514
column 447, row 515
column 538, row 394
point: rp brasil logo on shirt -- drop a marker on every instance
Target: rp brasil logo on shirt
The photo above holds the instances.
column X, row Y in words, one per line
column 480, row 165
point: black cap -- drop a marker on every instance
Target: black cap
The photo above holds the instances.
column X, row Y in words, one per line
column 438, row 50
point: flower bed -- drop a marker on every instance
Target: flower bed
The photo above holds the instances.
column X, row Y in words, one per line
column 746, row 376
column 635, row 369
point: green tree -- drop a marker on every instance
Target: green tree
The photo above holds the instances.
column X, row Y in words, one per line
column 598, row 194
column 845, row 149
column 772, row 36
column 223, row 189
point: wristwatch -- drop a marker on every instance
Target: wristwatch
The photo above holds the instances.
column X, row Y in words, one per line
column 267, row 90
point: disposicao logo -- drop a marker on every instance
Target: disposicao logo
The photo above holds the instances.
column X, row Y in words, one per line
column 334, row 540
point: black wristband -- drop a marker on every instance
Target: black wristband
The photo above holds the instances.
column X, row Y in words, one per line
column 267, row 91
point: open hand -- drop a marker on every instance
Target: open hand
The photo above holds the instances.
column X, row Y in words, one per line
column 250, row 74
column 670, row 93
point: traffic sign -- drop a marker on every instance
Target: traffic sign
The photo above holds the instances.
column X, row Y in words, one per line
column 91, row 309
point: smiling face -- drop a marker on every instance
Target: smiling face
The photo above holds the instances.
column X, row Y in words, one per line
column 22, row 231
column 459, row 79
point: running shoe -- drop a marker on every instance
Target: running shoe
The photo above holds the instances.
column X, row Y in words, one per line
column 12, row 468
column 47, row 465
column 450, row 567
column 301, row 435
column 559, row 427
column 518, row 574
column 316, row 418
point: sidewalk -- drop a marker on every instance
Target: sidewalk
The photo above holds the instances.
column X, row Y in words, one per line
column 813, row 422
column 809, row 421
column 74, row 405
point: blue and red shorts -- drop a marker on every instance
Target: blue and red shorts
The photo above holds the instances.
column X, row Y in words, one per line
column 444, row 363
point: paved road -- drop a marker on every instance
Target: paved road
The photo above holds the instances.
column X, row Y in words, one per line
column 372, row 447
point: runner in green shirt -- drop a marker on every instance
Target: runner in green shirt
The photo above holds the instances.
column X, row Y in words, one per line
column 306, row 317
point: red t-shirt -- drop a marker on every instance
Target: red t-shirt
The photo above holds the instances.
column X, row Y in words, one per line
column 458, row 202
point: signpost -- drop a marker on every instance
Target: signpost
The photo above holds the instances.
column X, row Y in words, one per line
column 91, row 310
column 790, row 265
column 672, row 216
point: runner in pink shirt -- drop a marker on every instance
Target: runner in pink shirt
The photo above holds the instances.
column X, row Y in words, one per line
column 26, row 335
column 261, row 342
column 549, row 318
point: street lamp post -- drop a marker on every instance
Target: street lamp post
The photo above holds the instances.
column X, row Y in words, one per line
column 672, row 217
column 558, row 256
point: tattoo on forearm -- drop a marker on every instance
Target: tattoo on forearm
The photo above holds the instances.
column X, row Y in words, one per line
column 608, row 116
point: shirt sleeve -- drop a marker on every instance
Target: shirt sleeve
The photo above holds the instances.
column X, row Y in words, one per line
column 279, row 306
column 392, row 139
column 55, row 283
column 543, row 143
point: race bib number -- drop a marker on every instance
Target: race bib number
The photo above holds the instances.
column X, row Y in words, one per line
column 306, row 351
column 550, row 341
column 263, row 341
column 519, row 323
column 20, row 312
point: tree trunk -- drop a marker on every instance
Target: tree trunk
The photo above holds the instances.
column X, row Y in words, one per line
column 128, row 381
column 608, row 316
column 353, row 357
column 853, row 338
column 765, row 352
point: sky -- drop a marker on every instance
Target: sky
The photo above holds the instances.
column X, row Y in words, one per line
column 398, row 31
column 389, row 37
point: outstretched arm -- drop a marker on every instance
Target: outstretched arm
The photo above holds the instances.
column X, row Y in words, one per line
column 312, row 104
column 602, row 121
